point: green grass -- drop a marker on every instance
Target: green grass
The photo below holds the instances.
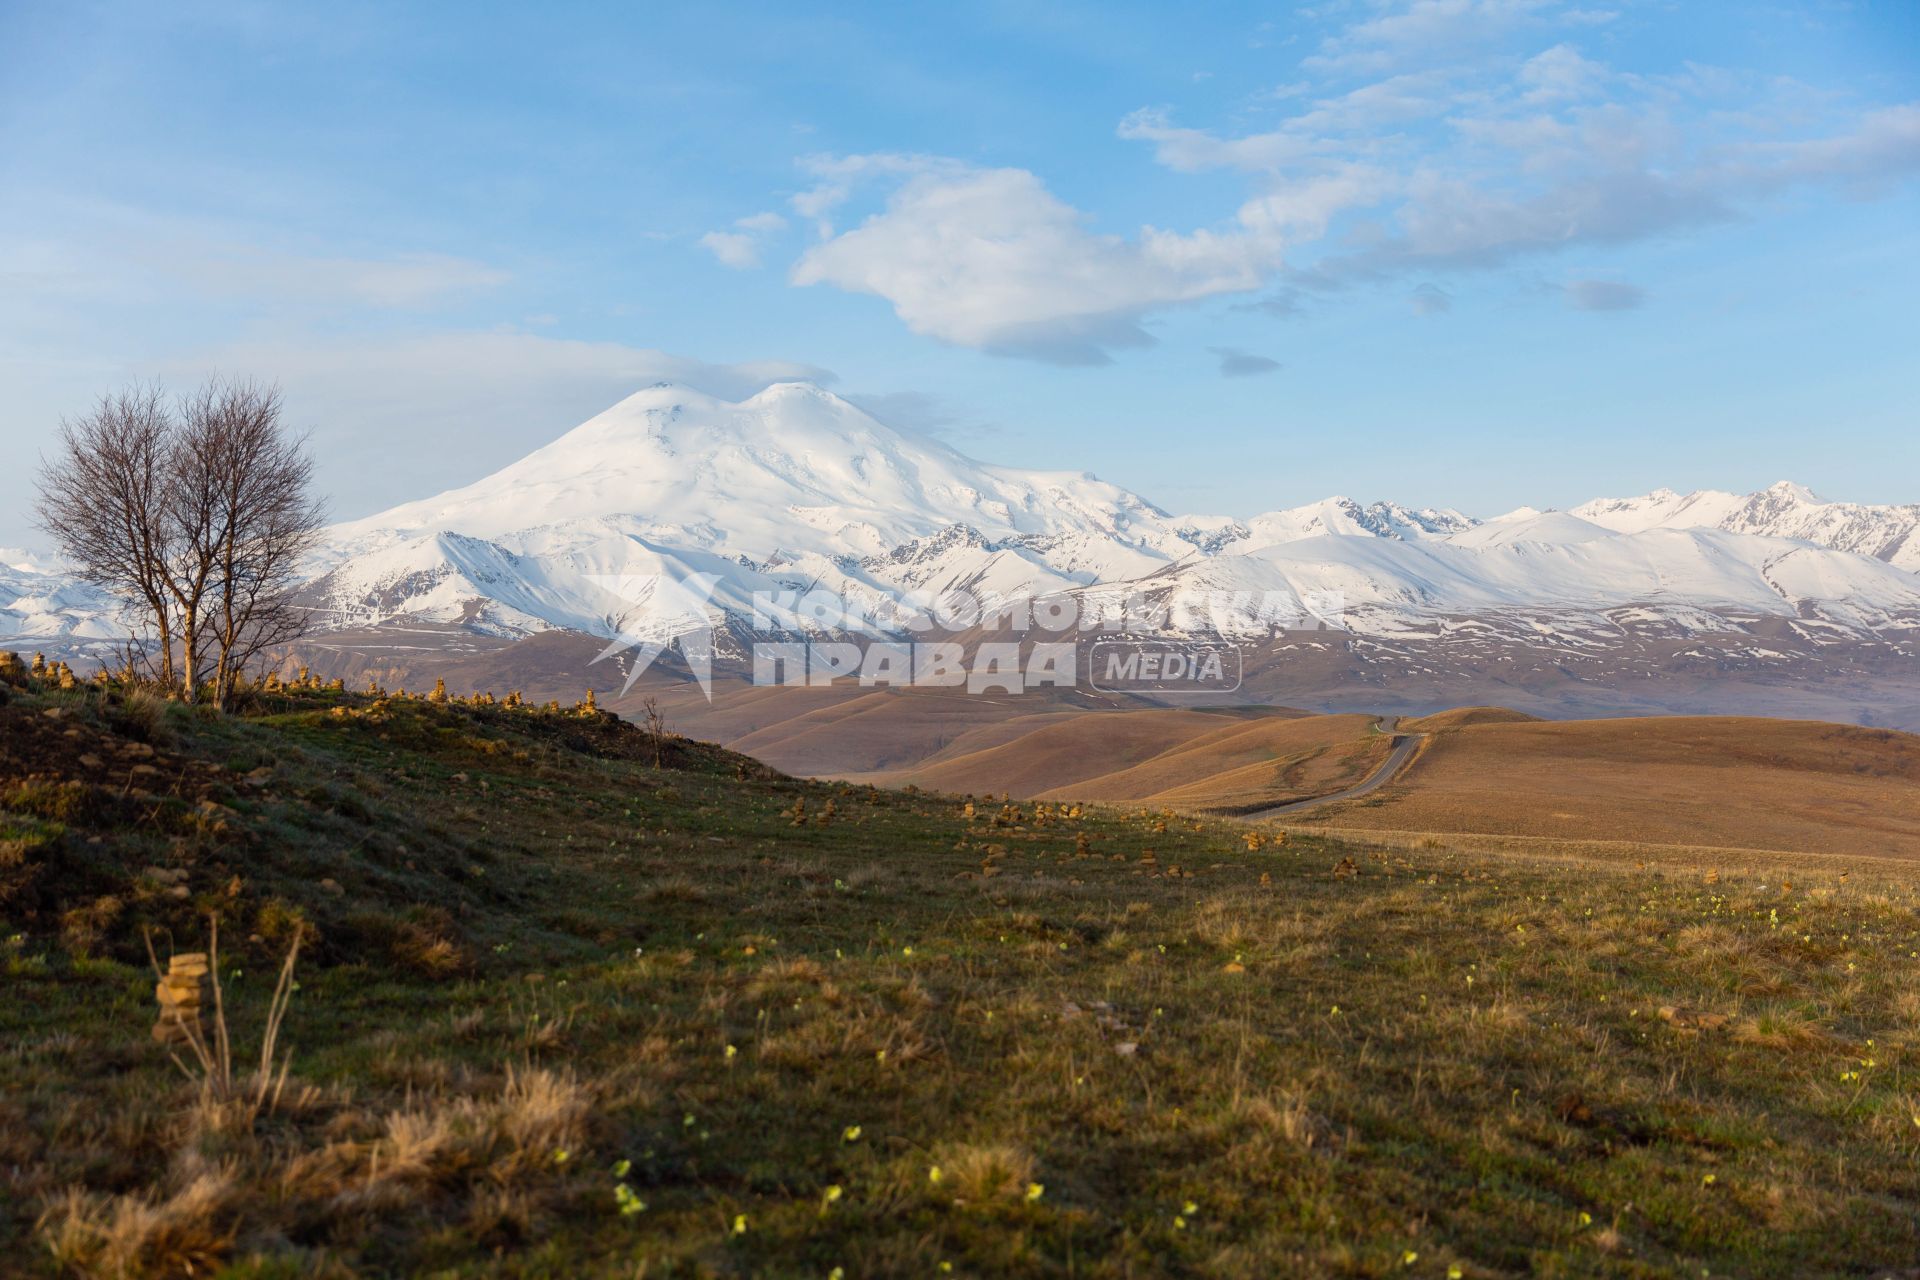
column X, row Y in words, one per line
column 1444, row 1060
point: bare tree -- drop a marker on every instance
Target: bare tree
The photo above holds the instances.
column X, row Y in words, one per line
column 103, row 499
column 262, row 520
column 656, row 730
column 197, row 517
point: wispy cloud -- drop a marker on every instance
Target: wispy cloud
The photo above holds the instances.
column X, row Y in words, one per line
column 740, row 248
column 1425, row 138
column 106, row 253
column 1235, row 363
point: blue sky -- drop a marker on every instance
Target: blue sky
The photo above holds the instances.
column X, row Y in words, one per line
column 1466, row 252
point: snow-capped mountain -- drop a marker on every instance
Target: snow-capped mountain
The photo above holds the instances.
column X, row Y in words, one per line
column 795, row 490
column 1340, row 516
column 1555, row 572
column 790, row 471
column 1783, row 510
column 40, row 602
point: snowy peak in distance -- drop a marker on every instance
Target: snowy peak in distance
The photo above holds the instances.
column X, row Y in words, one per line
column 1781, row 510
column 1546, row 528
column 1338, row 516
column 793, row 470
column 795, row 489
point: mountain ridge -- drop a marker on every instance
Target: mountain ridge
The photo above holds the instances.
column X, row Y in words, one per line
column 795, row 489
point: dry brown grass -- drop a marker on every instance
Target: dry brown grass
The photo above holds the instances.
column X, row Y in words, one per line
column 983, row 1173
column 483, row 1159
column 1785, row 785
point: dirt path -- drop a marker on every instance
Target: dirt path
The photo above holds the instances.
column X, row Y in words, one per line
column 1404, row 745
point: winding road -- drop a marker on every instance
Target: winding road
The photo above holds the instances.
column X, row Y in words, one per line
column 1404, row 745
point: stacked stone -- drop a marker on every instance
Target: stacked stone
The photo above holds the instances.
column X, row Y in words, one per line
column 181, row 994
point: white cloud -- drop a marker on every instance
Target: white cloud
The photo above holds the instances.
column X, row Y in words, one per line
column 1463, row 168
column 1427, row 137
column 1560, row 74
column 740, row 248
column 989, row 258
column 836, row 176
column 1424, row 28
column 733, row 248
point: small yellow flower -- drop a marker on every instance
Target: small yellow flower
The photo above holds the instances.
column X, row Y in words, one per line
column 1454, row 1272
column 1189, row 1208
column 1586, row 1219
column 732, row 1052
column 1707, row 1180
column 1408, row 1258
column 1034, row 1191
column 739, row 1224
column 834, row 1193
column 562, row 1156
column 933, row 1174
column 850, row 1134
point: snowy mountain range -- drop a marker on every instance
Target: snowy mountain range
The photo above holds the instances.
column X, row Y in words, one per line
column 795, row 488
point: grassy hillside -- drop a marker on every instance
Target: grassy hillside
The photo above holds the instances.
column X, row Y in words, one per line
column 564, row 1013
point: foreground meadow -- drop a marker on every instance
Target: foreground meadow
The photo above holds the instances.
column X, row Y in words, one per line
column 562, row 1010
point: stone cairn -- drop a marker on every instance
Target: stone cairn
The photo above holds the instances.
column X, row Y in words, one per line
column 181, row 993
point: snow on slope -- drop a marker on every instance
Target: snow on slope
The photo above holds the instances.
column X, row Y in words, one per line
column 795, row 489
column 793, row 469
column 1783, row 510
column 1316, row 519
column 1389, row 586
column 1663, row 508
column 1551, row 528
column 39, row 601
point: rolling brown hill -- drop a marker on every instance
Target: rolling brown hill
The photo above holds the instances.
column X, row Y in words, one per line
column 1181, row 758
column 1185, row 759
column 1728, row 781
column 1706, row 781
